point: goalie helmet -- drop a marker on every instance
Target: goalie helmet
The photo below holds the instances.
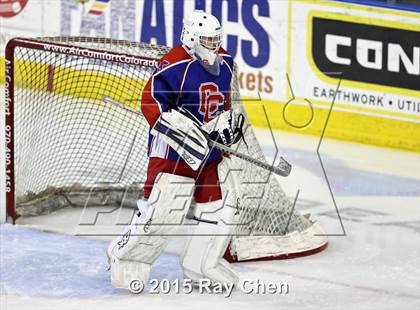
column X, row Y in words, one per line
column 202, row 35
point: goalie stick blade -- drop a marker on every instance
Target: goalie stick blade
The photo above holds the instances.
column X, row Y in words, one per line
column 284, row 168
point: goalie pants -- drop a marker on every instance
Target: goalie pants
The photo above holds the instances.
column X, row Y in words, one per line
column 206, row 179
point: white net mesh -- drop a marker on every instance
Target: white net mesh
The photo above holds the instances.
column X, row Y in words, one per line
column 69, row 138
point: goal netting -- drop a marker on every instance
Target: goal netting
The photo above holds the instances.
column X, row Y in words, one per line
column 65, row 141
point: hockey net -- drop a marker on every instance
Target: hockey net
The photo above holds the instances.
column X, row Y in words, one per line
column 64, row 139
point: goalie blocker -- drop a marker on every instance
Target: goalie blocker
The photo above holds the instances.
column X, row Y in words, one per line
column 183, row 135
column 190, row 138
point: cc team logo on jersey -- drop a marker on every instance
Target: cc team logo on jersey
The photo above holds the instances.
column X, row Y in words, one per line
column 210, row 101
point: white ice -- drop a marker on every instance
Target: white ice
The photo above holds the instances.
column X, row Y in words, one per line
column 372, row 261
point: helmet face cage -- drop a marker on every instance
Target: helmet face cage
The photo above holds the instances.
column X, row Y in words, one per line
column 212, row 43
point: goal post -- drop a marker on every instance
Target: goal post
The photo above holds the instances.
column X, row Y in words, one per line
column 63, row 139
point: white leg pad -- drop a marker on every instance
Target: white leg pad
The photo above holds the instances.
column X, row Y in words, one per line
column 132, row 254
column 203, row 252
column 203, row 255
column 124, row 271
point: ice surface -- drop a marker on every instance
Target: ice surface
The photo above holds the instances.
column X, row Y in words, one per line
column 374, row 263
column 49, row 264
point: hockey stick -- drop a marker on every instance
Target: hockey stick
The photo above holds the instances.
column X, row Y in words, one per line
column 282, row 169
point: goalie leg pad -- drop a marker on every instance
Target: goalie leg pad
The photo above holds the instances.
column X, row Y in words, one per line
column 230, row 183
column 146, row 237
column 123, row 272
column 203, row 253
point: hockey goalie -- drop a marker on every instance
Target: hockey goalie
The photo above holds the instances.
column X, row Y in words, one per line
column 186, row 102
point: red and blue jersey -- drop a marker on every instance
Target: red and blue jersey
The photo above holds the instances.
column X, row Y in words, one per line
column 181, row 81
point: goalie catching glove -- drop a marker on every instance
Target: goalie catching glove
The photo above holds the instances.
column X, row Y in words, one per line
column 226, row 128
